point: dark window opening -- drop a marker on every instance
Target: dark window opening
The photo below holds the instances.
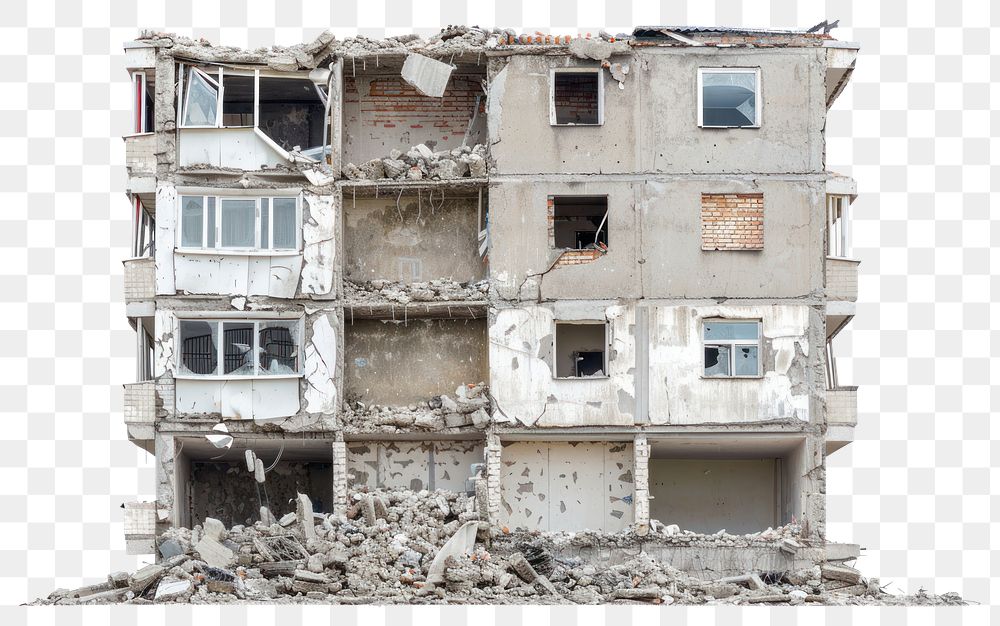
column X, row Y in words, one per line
column 580, row 349
column 577, row 97
column 237, row 100
column 291, row 112
column 580, row 222
column 198, row 348
column 237, row 347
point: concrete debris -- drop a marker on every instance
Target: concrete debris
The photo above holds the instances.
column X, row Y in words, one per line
column 304, row 513
column 437, row 290
column 428, row 76
column 471, row 406
column 421, row 547
column 420, row 163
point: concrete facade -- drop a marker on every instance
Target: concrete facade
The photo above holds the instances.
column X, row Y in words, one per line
column 392, row 307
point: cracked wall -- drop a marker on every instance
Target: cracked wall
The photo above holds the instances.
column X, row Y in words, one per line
column 415, row 465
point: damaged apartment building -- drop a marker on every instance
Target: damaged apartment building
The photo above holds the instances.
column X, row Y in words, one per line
column 597, row 278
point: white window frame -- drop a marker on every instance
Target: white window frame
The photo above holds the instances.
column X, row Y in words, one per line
column 222, row 318
column 838, row 231
column 758, row 101
column 217, row 234
column 555, row 348
column 576, row 70
column 137, row 79
column 732, row 344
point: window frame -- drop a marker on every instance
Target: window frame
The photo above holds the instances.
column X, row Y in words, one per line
column 555, row 348
column 140, row 110
column 758, row 101
column 219, row 319
column 732, row 344
column 838, row 230
column 576, row 70
column 256, row 250
column 605, row 224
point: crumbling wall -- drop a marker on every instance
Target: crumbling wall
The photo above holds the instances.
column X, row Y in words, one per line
column 412, row 465
column 413, row 237
column 680, row 394
column 240, row 148
column 227, row 492
column 552, row 486
column 399, row 363
column 383, row 112
column 521, row 343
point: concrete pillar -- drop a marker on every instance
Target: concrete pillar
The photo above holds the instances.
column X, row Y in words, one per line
column 339, row 476
column 163, row 446
column 493, row 469
column 641, row 473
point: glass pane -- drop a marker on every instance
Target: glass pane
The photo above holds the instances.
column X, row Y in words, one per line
column 746, row 361
column 284, row 222
column 210, row 230
column 237, row 348
column 716, row 360
column 199, row 350
column 238, row 223
column 278, row 350
column 237, row 100
column 202, row 101
column 725, row 331
column 729, row 99
column 265, row 213
column 191, row 221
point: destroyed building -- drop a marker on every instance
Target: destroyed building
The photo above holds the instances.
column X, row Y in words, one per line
column 597, row 277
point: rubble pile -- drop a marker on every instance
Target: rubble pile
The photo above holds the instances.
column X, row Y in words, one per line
column 400, row 546
column 470, row 406
column 455, row 39
column 422, row 163
column 437, row 290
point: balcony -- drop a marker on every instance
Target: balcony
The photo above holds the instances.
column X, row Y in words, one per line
column 842, row 279
column 140, row 286
column 140, row 412
column 841, row 417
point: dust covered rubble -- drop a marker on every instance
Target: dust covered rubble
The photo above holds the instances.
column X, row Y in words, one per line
column 469, row 406
column 422, row 163
column 437, row 290
column 392, row 547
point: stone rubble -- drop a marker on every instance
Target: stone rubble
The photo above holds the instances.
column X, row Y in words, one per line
column 437, row 290
column 469, row 406
column 423, row 163
column 381, row 551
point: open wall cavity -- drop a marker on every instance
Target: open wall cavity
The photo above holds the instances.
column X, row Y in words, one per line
column 413, row 237
column 567, row 485
column 413, row 465
column 396, row 362
column 742, row 486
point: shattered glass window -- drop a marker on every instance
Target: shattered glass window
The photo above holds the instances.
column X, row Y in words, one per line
column 239, row 223
column 732, row 348
column 284, row 222
column 278, row 353
column 199, row 350
column 238, row 348
column 192, row 221
column 729, row 98
column 202, row 101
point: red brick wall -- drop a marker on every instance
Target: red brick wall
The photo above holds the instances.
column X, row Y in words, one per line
column 395, row 115
column 732, row 221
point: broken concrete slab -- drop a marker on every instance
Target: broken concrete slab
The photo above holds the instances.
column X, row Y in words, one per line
column 426, row 75
column 214, row 553
column 145, row 577
column 460, row 544
column 304, row 514
column 831, row 571
column 213, row 528
column 172, row 589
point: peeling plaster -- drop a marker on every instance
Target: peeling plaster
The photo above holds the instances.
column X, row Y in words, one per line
column 321, row 366
column 319, row 240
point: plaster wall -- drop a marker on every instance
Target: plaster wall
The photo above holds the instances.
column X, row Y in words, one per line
column 412, row 465
column 567, row 485
column 241, row 148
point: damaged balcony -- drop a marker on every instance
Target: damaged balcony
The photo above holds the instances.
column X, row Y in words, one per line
column 841, row 417
column 140, row 401
column 415, row 254
column 841, row 267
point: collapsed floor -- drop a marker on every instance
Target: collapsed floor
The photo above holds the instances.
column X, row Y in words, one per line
column 424, row 547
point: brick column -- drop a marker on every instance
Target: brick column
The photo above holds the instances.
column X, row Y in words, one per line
column 493, row 449
column 641, row 473
column 339, row 476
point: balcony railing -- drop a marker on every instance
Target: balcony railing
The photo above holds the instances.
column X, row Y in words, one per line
column 842, row 406
column 140, row 279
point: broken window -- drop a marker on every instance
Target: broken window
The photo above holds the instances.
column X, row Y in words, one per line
column 243, row 223
column 143, row 230
column 580, row 349
column 244, row 347
column 580, row 222
column 291, row 112
column 839, row 226
column 732, row 348
column 577, row 97
column 202, row 103
column 729, row 97
column 142, row 104
column 237, row 100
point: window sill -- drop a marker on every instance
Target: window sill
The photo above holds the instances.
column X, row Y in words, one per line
column 757, row 377
column 236, row 252
column 843, row 258
column 145, row 134
column 725, row 127
column 227, row 377
column 581, row 378
column 573, row 124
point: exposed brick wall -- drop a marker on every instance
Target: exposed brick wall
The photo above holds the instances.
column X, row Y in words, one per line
column 842, row 279
column 393, row 107
column 576, row 98
column 579, row 257
column 140, row 154
column 732, row 221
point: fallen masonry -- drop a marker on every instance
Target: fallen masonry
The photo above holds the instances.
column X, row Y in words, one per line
column 436, row 290
column 400, row 546
column 420, row 163
column 469, row 406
